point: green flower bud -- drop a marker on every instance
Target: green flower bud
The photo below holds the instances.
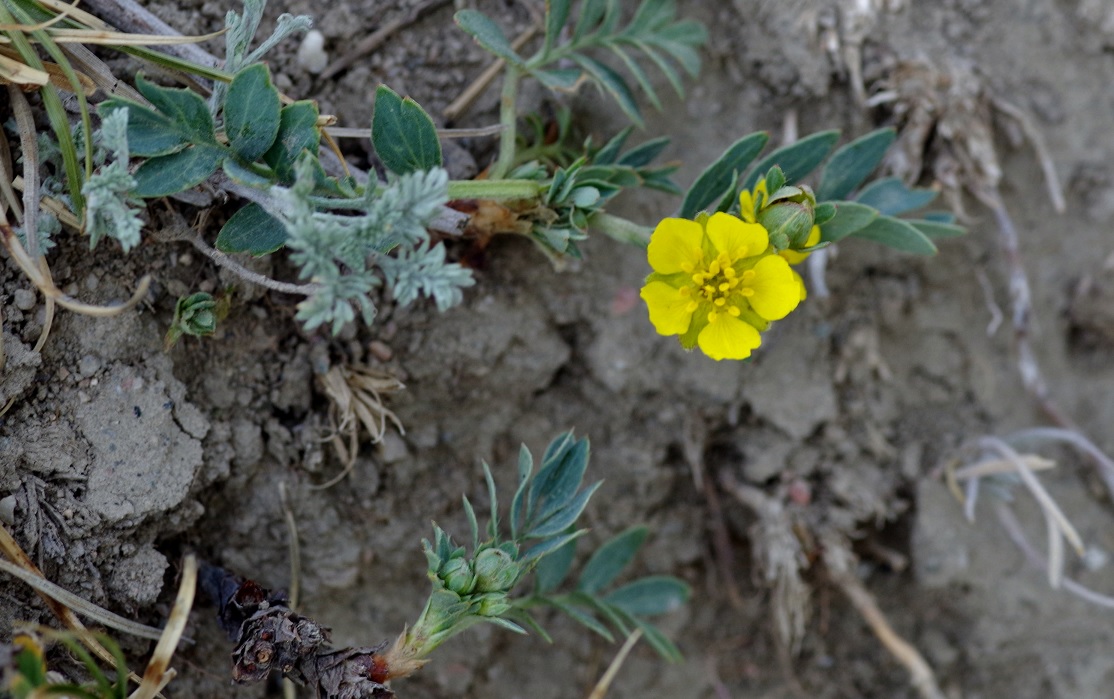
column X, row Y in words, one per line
column 496, row 571
column 458, row 576
column 789, row 216
column 492, row 604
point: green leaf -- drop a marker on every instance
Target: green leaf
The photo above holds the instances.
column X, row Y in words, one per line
column 579, row 616
column 552, row 570
column 591, row 12
column 610, row 559
column 897, row 234
column 650, row 596
column 404, row 136
column 241, row 174
column 558, row 78
column 184, row 107
column 892, row 197
column 644, row 153
column 558, row 480
column 609, row 153
column 613, row 84
column 297, row 132
column 525, row 468
column 488, row 35
column 562, row 519
column 169, row 174
column 659, row 642
column 556, row 15
column 505, row 623
column 935, row 230
column 713, row 182
column 546, row 548
column 149, row 132
column 473, row 525
column 849, row 217
column 524, row 618
column 616, row 616
column 252, row 112
column 852, row 164
column 493, row 522
column 796, row 160
column 252, row 230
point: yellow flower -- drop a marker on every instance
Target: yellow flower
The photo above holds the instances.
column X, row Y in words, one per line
column 716, row 283
column 751, row 203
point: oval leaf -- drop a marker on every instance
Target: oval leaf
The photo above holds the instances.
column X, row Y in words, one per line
column 610, row 559
column 488, row 35
column 897, row 234
column 251, row 229
column 170, row 174
column 552, row 570
column 852, row 164
column 892, row 197
column 718, row 178
column 297, row 132
column 404, row 136
column 796, row 160
column 649, row 596
column 935, row 230
column 252, row 112
column 849, row 217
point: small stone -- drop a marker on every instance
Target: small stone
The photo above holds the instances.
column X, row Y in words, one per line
column 380, row 350
column 7, row 510
column 185, row 259
column 92, row 282
column 311, row 54
column 88, row 365
column 24, row 299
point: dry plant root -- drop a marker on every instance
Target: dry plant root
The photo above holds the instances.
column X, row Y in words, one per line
column 356, row 397
column 840, row 564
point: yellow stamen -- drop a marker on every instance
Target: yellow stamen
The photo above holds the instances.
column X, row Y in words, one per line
column 692, row 306
column 712, row 316
column 720, row 301
column 734, row 311
column 748, row 292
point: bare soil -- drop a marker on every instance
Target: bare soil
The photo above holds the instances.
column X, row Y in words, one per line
column 121, row 457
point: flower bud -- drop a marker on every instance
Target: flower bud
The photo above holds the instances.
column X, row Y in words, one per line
column 789, row 216
column 496, row 571
column 493, row 604
column 458, row 576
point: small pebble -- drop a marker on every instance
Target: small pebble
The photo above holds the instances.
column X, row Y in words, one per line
column 380, row 351
column 92, row 282
column 24, row 299
column 311, row 54
column 88, row 365
column 7, row 510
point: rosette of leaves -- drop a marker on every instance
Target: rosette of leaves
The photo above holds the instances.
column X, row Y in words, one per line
column 847, row 204
column 584, row 186
column 475, row 584
column 570, row 53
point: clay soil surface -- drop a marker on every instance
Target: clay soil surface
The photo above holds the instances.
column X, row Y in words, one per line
column 121, row 457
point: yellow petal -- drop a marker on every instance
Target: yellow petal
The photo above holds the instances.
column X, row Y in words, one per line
column 746, row 206
column 736, row 237
column 728, row 338
column 667, row 308
column 801, row 282
column 777, row 289
column 795, row 258
column 675, row 243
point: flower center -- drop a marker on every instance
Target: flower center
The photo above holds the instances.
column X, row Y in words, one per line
column 718, row 284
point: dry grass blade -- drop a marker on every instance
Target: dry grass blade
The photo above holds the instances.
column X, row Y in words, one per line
column 604, row 684
column 13, row 72
column 79, row 605
column 477, row 87
column 46, row 285
column 109, row 38
column 19, row 557
column 62, row 14
column 53, row 72
column 158, row 672
column 74, row 13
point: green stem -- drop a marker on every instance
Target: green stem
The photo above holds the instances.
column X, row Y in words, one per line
column 620, row 229
column 499, row 190
column 508, row 117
